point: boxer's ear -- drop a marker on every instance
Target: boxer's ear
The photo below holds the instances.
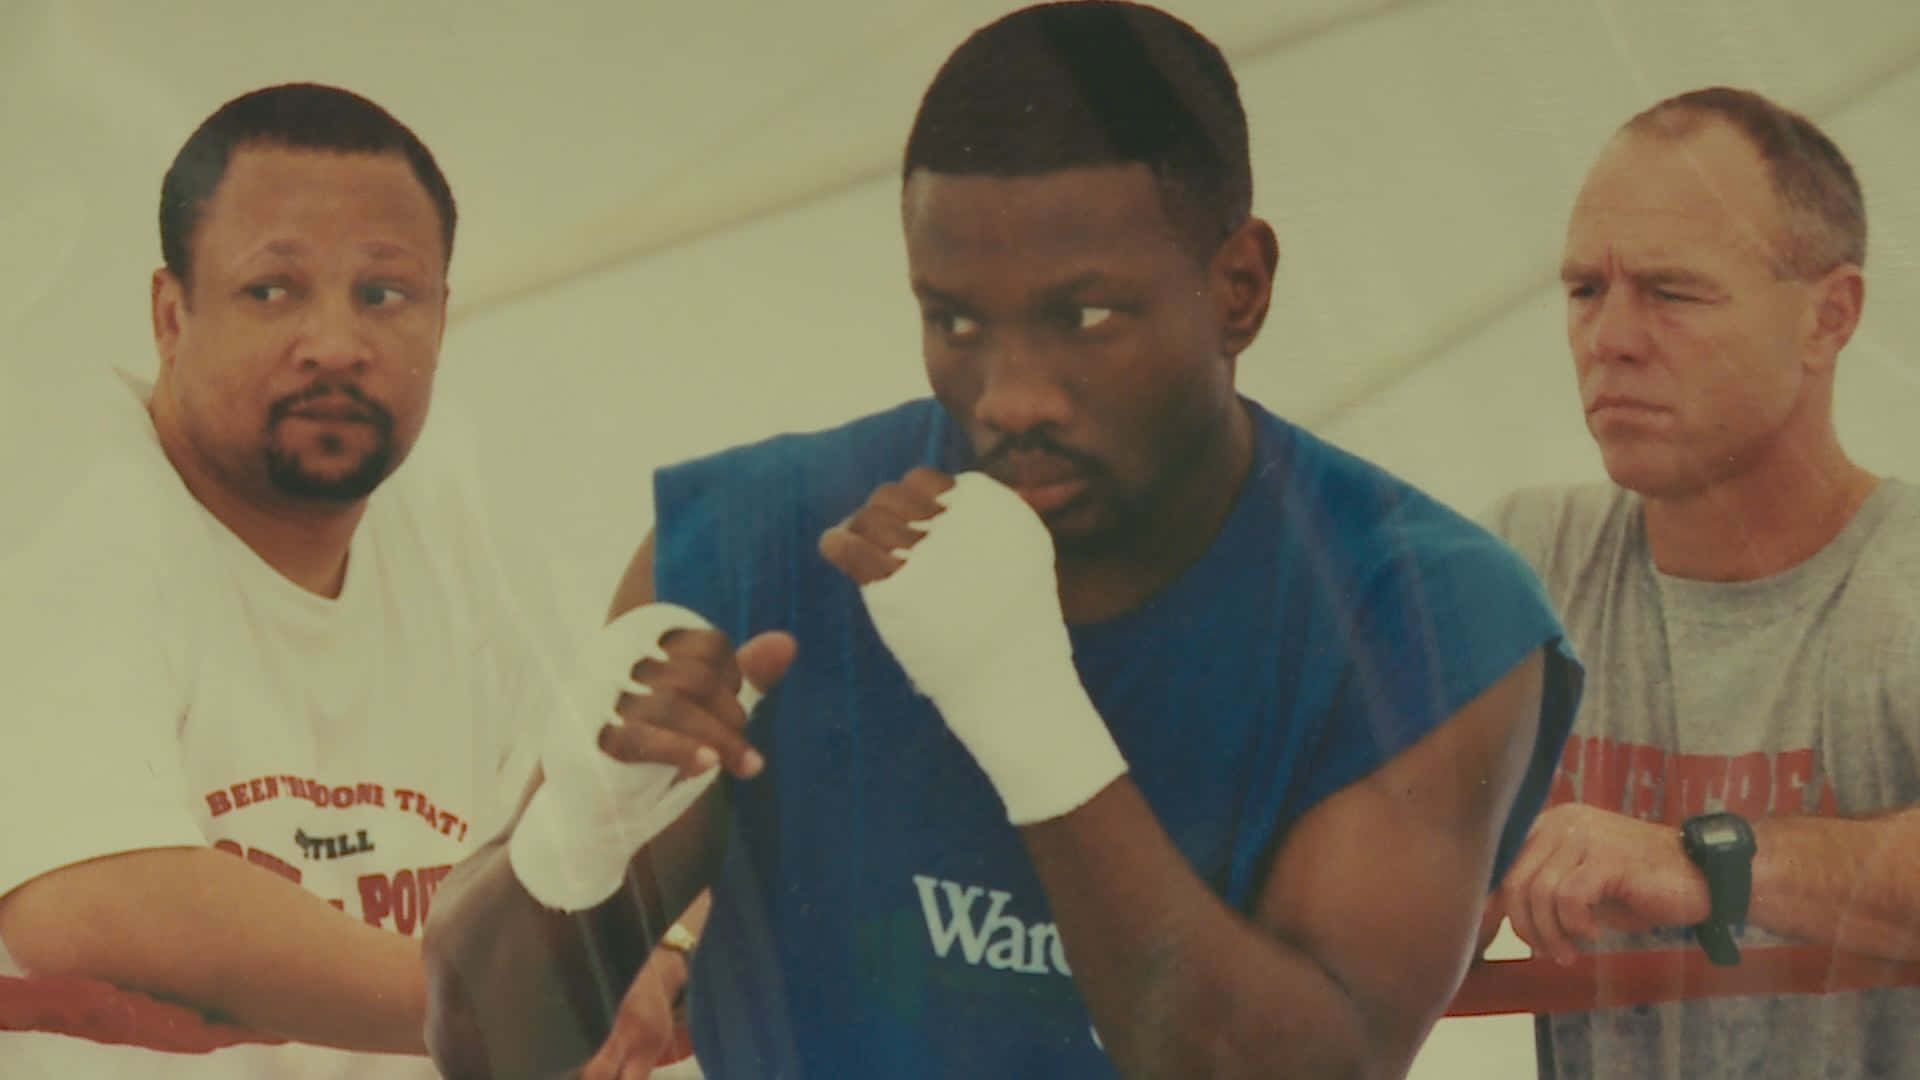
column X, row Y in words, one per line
column 1242, row 278
column 168, row 304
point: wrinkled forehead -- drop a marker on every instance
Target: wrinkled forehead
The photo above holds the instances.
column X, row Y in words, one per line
column 1704, row 195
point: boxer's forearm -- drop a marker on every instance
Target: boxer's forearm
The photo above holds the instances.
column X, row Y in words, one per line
column 505, row 977
column 1177, row 983
column 209, row 931
column 1852, row 884
column 516, row 989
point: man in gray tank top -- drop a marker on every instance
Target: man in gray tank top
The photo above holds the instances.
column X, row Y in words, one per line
column 1745, row 769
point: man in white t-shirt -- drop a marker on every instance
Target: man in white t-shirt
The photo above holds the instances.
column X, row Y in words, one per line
column 256, row 707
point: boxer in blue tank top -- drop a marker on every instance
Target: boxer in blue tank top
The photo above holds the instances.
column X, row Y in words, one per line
column 1114, row 726
column 876, row 907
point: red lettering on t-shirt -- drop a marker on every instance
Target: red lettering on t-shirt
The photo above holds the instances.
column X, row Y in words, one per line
column 1792, row 773
column 406, row 901
column 262, row 789
column 1603, row 774
column 376, row 898
column 1828, row 806
column 1654, row 785
column 1646, row 769
column 266, row 860
column 1693, row 780
column 405, row 897
column 269, row 861
column 1748, row 788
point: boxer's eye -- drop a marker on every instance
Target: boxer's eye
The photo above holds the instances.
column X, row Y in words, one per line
column 953, row 326
column 377, row 295
column 1093, row 317
column 1076, row 318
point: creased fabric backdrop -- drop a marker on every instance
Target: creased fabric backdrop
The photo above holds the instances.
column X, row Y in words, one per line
column 680, row 228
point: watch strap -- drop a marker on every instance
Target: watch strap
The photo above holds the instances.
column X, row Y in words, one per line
column 1728, row 870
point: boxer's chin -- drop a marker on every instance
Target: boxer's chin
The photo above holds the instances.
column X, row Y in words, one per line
column 1085, row 530
column 330, row 477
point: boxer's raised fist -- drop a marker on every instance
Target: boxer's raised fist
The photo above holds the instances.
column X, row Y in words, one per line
column 685, row 702
column 868, row 545
column 958, row 577
column 661, row 697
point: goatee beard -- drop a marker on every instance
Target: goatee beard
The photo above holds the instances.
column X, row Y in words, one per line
column 287, row 474
column 289, row 477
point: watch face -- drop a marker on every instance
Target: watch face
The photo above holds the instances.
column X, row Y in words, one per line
column 1719, row 834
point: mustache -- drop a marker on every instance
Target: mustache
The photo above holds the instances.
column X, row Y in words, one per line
column 375, row 413
column 1033, row 442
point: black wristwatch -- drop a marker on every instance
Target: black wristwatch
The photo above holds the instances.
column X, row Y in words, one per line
column 1722, row 846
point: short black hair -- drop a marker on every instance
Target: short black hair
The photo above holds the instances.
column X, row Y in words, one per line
column 1094, row 83
column 1820, row 198
column 295, row 116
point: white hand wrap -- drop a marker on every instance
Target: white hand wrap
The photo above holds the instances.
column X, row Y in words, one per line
column 974, row 620
column 592, row 812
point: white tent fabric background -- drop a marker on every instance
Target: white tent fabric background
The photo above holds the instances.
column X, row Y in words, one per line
column 680, row 230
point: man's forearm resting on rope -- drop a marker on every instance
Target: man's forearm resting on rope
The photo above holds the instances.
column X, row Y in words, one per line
column 202, row 928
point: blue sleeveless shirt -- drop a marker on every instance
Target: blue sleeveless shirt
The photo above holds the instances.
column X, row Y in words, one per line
column 877, row 915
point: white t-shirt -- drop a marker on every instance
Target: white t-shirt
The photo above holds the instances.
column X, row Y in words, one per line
column 165, row 687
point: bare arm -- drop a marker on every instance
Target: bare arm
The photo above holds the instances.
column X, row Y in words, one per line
column 516, row 989
column 1850, row 883
column 1847, row 887
column 1365, row 925
column 203, row 928
column 651, row 1024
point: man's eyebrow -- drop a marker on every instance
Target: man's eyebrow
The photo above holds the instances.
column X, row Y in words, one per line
column 1674, row 275
column 291, row 248
column 381, row 249
column 925, row 290
column 1577, row 272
